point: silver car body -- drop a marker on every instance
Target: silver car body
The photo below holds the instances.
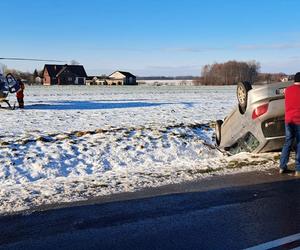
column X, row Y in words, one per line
column 240, row 132
column 4, row 89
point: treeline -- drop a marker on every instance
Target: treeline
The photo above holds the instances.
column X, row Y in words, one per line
column 232, row 72
column 228, row 73
column 166, row 77
column 273, row 77
column 27, row 77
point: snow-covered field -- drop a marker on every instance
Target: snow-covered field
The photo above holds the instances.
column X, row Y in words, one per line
column 73, row 143
column 166, row 82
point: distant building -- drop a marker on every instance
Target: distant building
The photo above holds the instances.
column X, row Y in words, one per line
column 90, row 80
column 284, row 79
column 64, row 74
column 38, row 80
column 116, row 78
column 121, row 78
column 96, row 80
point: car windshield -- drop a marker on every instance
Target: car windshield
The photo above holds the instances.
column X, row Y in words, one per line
column 248, row 143
column 4, row 90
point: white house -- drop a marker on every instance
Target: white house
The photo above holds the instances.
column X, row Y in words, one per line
column 121, row 78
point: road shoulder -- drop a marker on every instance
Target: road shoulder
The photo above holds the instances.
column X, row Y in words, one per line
column 202, row 185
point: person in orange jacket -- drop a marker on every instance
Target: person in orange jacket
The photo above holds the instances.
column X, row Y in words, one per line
column 20, row 94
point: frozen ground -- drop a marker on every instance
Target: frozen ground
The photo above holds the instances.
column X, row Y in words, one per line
column 72, row 143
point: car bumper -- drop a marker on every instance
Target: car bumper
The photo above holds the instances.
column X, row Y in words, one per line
column 271, row 145
column 273, row 128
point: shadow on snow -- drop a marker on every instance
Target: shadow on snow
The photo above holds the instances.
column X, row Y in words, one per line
column 90, row 105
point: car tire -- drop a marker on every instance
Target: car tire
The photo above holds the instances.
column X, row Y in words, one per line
column 242, row 95
column 218, row 131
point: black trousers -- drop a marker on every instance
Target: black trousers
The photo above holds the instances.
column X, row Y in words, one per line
column 21, row 102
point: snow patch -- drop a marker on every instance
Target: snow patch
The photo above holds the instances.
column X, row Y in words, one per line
column 74, row 143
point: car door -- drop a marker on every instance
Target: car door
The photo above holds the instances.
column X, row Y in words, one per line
column 13, row 84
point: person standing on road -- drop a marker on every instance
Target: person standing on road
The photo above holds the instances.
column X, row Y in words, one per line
column 292, row 125
column 20, row 94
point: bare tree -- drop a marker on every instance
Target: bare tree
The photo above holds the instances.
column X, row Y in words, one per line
column 229, row 72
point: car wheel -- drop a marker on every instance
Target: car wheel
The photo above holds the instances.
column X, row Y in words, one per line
column 218, row 131
column 242, row 95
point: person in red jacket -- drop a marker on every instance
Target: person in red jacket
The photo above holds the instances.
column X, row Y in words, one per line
column 292, row 125
column 20, row 94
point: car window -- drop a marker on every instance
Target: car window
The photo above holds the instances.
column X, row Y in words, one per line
column 247, row 143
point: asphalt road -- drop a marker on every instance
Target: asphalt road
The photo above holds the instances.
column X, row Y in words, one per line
column 232, row 212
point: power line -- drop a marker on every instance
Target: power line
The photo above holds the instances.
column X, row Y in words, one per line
column 29, row 59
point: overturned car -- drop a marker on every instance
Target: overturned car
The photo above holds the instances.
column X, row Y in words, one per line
column 257, row 123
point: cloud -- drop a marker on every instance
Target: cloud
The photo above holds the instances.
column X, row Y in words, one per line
column 119, row 49
column 160, row 70
column 297, row 58
column 246, row 47
column 289, row 65
column 283, row 46
column 196, row 49
column 192, row 49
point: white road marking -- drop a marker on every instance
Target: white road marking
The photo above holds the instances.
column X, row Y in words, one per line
column 277, row 243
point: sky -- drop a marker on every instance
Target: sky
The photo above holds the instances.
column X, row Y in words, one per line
column 152, row 37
